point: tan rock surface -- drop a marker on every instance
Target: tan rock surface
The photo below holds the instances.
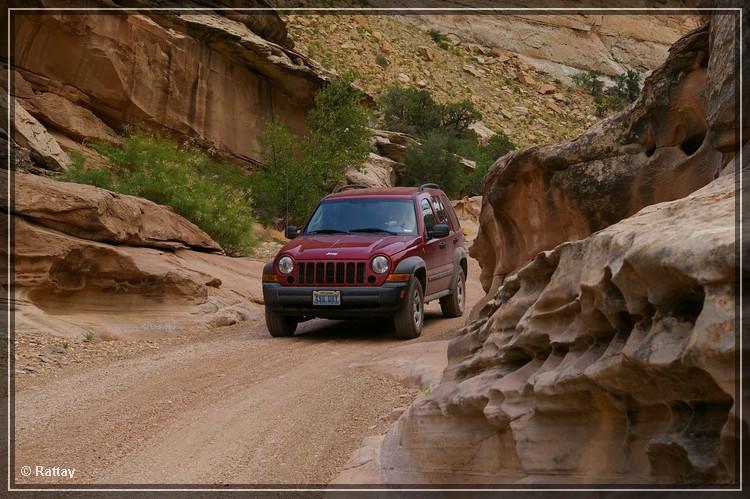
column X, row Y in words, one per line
column 656, row 150
column 87, row 259
column 564, row 44
column 91, row 213
column 203, row 77
column 31, row 135
column 605, row 360
column 607, row 353
column 377, row 171
column 71, row 119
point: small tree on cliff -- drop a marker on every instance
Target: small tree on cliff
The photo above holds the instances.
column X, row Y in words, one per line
column 297, row 172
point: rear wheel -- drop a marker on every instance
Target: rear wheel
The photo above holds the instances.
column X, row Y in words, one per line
column 280, row 325
column 453, row 304
column 410, row 319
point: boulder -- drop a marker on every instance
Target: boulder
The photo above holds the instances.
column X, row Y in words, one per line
column 605, row 350
column 609, row 359
column 483, row 132
column 87, row 212
column 546, row 88
column 31, row 135
column 377, row 171
column 392, row 145
column 424, row 52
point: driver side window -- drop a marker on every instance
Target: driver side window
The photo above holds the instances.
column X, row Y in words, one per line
column 427, row 214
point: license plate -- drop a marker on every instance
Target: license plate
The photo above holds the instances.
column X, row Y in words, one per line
column 327, row 298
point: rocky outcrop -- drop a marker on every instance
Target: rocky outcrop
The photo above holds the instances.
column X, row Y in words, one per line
column 86, row 259
column 606, row 350
column 211, row 78
column 87, row 212
column 658, row 149
column 563, row 45
column 36, row 142
column 606, row 360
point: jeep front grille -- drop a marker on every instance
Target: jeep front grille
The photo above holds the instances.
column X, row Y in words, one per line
column 332, row 273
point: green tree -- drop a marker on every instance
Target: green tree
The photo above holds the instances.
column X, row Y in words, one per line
column 435, row 160
column 485, row 156
column 338, row 135
column 298, row 171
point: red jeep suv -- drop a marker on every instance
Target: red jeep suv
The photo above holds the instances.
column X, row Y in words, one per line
column 369, row 252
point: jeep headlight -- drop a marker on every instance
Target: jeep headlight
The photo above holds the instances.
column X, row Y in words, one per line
column 379, row 265
column 286, row 265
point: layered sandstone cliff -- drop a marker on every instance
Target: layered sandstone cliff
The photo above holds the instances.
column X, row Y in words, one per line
column 606, row 349
column 214, row 78
column 567, row 43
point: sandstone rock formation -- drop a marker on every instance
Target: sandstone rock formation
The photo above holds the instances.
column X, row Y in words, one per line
column 34, row 138
column 565, row 44
column 658, row 149
column 88, row 259
column 605, row 351
column 96, row 214
column 206, row 77
column 608, row 359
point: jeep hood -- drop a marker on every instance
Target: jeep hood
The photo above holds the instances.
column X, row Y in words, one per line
column 345, row 246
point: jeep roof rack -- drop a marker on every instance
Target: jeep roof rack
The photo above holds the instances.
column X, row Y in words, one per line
column 428, row 186
column 351, row 186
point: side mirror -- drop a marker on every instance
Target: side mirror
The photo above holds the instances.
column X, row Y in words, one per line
column 291, row 231
column 439, row 231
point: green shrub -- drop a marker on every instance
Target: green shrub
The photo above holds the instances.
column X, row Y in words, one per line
column 215, row 196
column 626, row 90
column 440, row 39
column 381, row 61
column 297, row 172
column 590, row 82
column 416, row 112
column 436, row 160
column 484, row 156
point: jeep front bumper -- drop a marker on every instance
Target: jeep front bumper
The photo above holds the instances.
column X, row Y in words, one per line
column 356, row 301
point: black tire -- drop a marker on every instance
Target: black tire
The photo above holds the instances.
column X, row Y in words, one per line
column 453, row 304
column 280, row 325
column 409, row 320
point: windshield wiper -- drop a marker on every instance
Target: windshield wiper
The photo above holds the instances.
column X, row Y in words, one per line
column 328, row 231
column 374, row 229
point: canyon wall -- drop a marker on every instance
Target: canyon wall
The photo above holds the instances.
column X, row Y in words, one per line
column 606, row 349
column 205, row 77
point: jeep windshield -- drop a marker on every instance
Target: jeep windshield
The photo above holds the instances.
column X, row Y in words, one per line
column 363, row 216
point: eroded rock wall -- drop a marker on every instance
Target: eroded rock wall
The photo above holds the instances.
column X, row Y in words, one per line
column 206, row 77
column 565, row 44
column 606, row 360
column 86, row 259
column 658, row 149
column 605, row 351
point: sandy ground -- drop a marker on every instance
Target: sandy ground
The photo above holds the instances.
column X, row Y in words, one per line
column 230, row 406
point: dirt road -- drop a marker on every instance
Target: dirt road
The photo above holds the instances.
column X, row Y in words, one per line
column 233, row 406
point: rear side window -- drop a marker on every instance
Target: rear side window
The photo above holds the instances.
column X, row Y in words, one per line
column 427, row 213
column 440, row 210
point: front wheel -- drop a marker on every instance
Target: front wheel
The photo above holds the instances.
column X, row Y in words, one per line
column 280, row 325
column 409, row 320
column 452, row 305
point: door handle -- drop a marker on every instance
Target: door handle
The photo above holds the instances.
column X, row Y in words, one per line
column 442, row 244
